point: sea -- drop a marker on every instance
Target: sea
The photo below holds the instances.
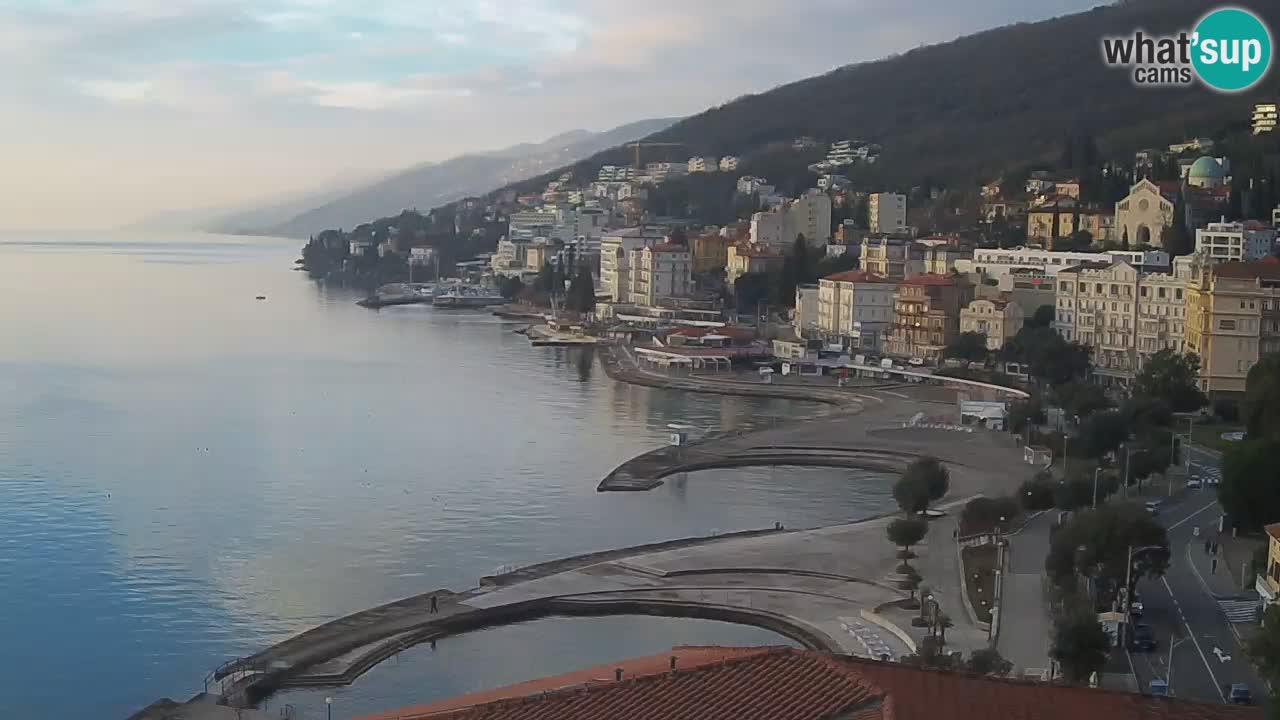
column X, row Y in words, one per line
column 189, row 473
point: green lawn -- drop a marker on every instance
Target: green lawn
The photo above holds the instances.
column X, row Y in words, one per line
column 1210, row 436
column 980, row 578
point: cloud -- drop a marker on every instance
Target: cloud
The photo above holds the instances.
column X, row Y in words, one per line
column 316, row 85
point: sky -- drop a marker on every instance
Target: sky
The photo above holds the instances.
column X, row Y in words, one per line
column 113, row 110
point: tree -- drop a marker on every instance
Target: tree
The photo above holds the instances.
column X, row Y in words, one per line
column 1043, row 317
column 547, row 279
column 1025, row 412
column 1073, row 494
column 912, row 493
column 983, row 514
column 1078, row 398
column 1172, row 377
column 1178, row 240
column 1250, row 488
column 971, row 346
column 932, row 474
column 1102, row 433
column 1264, row 647
column 1106, row 535
column 510, row 287
column 987, row 661
column 1037, row 494
column 906, row 532
column 1080, row 645
column 1262, row 398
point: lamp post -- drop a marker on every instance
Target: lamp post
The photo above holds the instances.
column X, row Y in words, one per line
column 328, row 704
column 1095, row 487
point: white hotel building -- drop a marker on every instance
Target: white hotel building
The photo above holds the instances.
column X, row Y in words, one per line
column 1223, row 241
column 997, row 263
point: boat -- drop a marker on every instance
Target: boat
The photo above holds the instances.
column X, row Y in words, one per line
column 467, row 296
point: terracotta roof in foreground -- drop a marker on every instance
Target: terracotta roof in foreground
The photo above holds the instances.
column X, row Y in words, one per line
column 1259, row 269
column 790, row 684
column 1273, row 530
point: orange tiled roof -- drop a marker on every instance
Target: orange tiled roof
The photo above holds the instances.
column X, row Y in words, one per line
column 789, row 684
column 780, row 684
column 688, row 657
column 1273, row 530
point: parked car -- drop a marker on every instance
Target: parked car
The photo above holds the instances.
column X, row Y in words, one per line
column 1158, row 688
column 1239, row 694
column 1136, row 607
column 1195, row 483
column 1153, row 507
column 1142, row 638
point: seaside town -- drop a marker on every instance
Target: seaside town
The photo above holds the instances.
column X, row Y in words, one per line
column 1071, row 369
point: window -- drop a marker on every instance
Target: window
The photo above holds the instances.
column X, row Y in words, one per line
column 1177, row 294
column 1160, row 293
column 1097, row 287
column 1142, row 292
column 1226, row 324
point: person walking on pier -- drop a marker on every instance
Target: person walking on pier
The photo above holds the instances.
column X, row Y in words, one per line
column 434, row 607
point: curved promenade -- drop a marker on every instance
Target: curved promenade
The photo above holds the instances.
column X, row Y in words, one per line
column 827, row 588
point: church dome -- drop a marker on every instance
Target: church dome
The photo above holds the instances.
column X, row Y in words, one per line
column 1206, row 168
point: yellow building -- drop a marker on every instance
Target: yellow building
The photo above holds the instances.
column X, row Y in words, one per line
column 710, row 252
column 1233, row 318
column 999, row 320
column 1268, row 584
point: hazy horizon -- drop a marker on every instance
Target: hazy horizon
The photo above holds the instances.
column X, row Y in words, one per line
column 125, row 109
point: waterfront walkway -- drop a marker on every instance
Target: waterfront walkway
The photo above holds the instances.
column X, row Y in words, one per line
column 828, row 588
column 1026, row 625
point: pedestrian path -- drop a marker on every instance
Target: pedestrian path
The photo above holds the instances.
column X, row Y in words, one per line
column 1243, row 609
column 868, row 638
column 1025, row 624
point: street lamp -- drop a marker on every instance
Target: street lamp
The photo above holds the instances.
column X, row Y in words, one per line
column 328, row 704
column 1095, row 487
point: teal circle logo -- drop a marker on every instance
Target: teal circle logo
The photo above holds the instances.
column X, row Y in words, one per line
column 1231, row 49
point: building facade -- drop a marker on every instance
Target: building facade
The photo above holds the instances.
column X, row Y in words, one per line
column 999, row 320
column 1125, row 315
column 1233, row 319
column 926, row 315
column 710, row 252
column 997, row 263
column 661, row 271
column 855, row 308
column 1224, row 241
column 1265, row 116
column 704, row 164
column 887, row 213
column 809, row 215
column 747, row 258
column 1144, row 215
column 615, row 258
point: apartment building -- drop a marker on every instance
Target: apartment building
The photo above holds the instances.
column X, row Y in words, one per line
column 808, row 215
column 710, row 252
column 998, row 319
column 615, row 257
column 704, row 164
column 885, row 256
column 997, row 263
column 887, row 213
column 728, row 163
column 1233, row 319
column 1124, row 314
column 747, row 258
column 926, row 315
column 855, row 308
column 1265, row 116
column 660, row 271
column 1224, row 241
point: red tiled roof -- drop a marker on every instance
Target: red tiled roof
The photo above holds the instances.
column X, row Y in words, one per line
column 789, row 684
column 1236, row 270
column 1273, row 530
column 857, row 276
column 688, row 657
column 780, row 684
column 917, row 694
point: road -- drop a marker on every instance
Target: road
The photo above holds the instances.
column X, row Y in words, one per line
column 1180, row 606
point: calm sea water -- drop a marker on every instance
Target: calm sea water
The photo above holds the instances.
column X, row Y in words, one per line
column 188, row 474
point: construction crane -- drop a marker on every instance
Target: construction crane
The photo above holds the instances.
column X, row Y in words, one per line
column 638, row 145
